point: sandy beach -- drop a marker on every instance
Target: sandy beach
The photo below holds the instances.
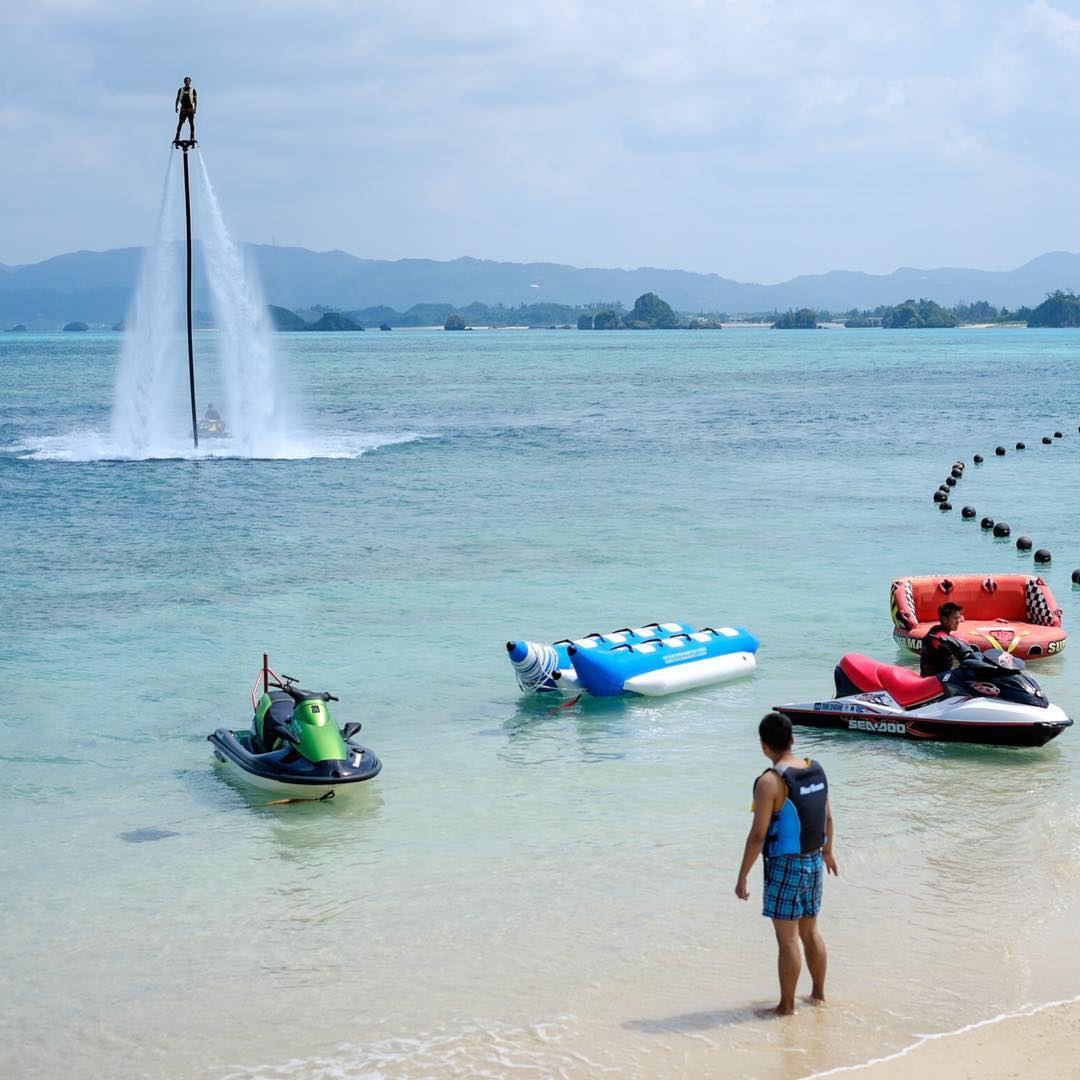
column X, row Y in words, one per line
column 1034, row 1044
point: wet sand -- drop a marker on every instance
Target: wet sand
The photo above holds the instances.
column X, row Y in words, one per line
column 1035, row 1044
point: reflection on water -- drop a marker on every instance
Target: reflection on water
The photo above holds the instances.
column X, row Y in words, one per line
column 544, row 727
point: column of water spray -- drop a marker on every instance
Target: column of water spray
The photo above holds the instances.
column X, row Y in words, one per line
column 246, row 354
column 148, row 418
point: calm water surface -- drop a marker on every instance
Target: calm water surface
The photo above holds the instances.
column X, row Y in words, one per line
column 525, row 888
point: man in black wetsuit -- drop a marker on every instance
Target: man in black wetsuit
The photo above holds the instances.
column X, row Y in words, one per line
column 187, row 102
column 938, row 648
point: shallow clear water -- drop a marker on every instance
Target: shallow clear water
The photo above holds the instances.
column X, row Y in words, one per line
column 524, row 887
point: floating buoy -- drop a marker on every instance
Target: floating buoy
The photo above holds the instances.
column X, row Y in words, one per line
column 1021, row 446
column 940, row 496
column 968, row 511
column 946, row 505
column 987, row 523
column 957, row 473
column 978, row 457
column 943, row 487
column 1001, row 529
column 1076, row 573
column 1042, row 555
column 958, row 465
column 1058, row 435
column 951, row 481
column 1047, row 440
column 1023, row 543
column 999, row 450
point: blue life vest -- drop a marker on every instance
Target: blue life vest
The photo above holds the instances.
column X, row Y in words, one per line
column 798, row 828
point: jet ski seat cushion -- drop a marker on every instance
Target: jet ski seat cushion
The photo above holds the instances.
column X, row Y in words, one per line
column 907, row 688
column 862, row 671
column 277, row 718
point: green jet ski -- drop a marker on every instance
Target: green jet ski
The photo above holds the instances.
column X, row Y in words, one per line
column 293, row 748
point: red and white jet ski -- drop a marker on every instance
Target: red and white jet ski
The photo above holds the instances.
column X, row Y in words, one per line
column 986, row 699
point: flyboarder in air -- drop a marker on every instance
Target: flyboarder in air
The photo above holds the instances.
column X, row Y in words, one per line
column 187, row 102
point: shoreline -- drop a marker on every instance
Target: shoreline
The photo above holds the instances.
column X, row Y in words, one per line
column 1037, row 1043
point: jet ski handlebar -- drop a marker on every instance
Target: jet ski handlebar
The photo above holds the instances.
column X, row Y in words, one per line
column 306, row 695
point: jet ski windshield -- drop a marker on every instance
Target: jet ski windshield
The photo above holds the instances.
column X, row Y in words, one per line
column 993, row 661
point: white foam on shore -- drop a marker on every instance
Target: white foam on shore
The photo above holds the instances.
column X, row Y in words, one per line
column 922, row 1040
column 90, row 446
column 476, row 1050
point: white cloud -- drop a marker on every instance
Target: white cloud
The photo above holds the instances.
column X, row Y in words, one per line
column 1059, row 28
column 546, row 125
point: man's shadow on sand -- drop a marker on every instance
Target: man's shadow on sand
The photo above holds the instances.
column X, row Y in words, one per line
column 699, row 1021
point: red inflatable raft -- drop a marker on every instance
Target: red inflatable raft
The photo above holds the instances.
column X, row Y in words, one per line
column 1014, row 612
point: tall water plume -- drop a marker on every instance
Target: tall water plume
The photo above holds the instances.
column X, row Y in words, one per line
column 151, row 399
column 151, row 410
column 246, row 354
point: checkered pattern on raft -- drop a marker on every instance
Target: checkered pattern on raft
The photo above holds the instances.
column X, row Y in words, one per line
column 909, row 598
column 1038, row 610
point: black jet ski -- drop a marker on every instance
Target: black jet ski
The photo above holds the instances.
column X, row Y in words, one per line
column 986, row 699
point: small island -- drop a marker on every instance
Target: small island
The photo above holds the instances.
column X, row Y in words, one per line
column 803, row 319
column 924, row 315
column 331, row 321
column 649, row 313
column 76, row 328
column 1059, row 309
column 334, row 321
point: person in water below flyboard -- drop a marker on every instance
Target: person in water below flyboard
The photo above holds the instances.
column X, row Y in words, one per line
column 793, row 824
column 939, row 647
column 187, row 103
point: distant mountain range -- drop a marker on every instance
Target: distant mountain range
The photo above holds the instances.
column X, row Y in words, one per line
column 96, row 286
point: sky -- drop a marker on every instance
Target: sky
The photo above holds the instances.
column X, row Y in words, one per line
column 756, row 139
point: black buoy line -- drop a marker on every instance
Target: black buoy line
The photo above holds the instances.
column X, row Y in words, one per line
column 1000, row 529
column 186, row 145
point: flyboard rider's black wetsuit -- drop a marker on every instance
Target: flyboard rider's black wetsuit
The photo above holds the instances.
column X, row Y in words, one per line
column 187, row 101
column 939, row 649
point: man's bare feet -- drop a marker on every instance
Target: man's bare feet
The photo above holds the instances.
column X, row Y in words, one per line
column 815, row 999
column 773, row 1013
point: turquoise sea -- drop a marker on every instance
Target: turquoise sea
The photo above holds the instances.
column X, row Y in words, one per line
column 526, row 889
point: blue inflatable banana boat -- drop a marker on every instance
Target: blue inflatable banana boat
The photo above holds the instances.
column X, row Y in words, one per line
column 540, row 668
column 656, row 659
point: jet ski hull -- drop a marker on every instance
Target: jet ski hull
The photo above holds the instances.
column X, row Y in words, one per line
column 986, row 722
column 283, row 772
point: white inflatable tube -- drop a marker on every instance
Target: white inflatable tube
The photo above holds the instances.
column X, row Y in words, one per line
column 670, row 680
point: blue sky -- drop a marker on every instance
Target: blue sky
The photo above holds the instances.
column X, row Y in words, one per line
column 757, row 139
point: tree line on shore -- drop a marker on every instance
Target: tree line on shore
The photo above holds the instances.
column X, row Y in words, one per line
column 650, row 312
column 1060, row 309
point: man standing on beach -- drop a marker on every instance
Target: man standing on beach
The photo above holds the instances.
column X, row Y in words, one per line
column 187, row 102
column 793, row 823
